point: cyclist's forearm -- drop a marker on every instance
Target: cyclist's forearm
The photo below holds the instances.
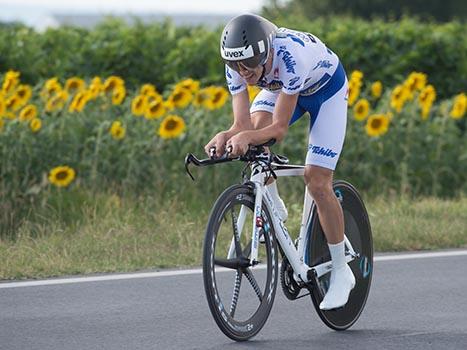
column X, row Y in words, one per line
column 275, row 131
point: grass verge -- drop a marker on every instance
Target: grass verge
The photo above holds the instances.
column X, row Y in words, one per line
column 107, row 233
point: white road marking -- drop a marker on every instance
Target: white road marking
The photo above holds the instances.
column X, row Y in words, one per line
column 127, row 276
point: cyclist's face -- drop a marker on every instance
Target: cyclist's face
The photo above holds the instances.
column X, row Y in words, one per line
column 251, row 75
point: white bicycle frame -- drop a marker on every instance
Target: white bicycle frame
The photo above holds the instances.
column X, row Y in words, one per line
column 294, row 253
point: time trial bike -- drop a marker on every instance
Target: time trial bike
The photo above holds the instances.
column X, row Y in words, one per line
column 245, row 236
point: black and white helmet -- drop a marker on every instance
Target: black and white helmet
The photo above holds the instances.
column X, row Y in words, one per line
column 247, row 39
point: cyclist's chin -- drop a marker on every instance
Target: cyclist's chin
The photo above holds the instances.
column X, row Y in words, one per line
column 252, row 80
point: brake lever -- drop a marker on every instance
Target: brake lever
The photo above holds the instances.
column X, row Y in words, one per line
column 189, row 159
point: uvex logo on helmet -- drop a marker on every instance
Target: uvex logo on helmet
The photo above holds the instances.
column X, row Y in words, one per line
column 237, row 53
column 233, row 54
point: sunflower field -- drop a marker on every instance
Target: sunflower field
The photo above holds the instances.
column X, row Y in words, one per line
column 95, row 134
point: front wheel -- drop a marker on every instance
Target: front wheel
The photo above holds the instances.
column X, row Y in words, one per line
column 240, row 296
column 358, row 231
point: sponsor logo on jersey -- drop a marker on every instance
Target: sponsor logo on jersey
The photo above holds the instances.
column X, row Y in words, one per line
column 326, row 152
column 271, row 86
column 264, row 103
column 234, row 88
column 292, row 88
column 288, row 59
column 293, row 81
column 323, row 64
column 227, row 73
column 297, row 40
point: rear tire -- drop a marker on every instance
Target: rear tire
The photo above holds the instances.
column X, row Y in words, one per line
column 252, row 300
column 358, row 231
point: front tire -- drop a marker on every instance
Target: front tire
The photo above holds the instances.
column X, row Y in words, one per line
column 241, row 311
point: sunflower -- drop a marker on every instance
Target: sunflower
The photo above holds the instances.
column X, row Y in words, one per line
column 148, row 89
column 74, row 85
column 2, row 124
column 96, row 87
column 172, row 126
column 426, row 108
column 35, row 125
column 113, row 82
column 24, row 92
column 138, row 105
column 376, row 89
column 152, row 96
column 356, row 75
column 427, row 95
column 399, row 96
column 459, row 106
column 10, row 81
column 79, row 101
column 253, row 90
column 13, row 103
column 417, row 80
column 190, row 84
column 204, row 98
column 117, row 130
column 180, row 97
column 118, row 95
column 2, row 106
column 28, row 113
column 155, row 109
column 220, row 96
column 354, row 92
column 361, row 109
column 56, row 102
column 61, row 176
column 51, row 87
column 9, row 115
column 377, row 125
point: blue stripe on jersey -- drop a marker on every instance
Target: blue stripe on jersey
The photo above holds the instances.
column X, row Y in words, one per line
column 312, row 103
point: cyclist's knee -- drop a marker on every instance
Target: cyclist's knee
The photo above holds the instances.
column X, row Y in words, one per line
column 318, row 181
column 261, row 119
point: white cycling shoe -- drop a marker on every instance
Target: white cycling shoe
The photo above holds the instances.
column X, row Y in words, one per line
column 341, row 284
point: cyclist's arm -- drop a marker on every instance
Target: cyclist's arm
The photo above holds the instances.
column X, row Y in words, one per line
column 241, row 122
column 285, row 106
column 241, row 112
column 282, row 114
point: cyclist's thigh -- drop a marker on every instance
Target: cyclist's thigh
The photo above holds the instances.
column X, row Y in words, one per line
column 328, row 131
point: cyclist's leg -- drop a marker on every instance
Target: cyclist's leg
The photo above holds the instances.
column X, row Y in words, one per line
column 327, row 135
column 261, row 112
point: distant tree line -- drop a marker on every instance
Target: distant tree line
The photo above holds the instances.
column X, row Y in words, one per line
column 433, row 10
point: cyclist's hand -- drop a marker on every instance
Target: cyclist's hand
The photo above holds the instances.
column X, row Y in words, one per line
column 217, row 142
column 238, row 144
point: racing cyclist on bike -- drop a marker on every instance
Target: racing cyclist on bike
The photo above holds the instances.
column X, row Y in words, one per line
column 297, row 73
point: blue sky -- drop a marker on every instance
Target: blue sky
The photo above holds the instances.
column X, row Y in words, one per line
column 15, row 7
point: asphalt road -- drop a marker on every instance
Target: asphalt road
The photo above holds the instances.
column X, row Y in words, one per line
column 413, row 304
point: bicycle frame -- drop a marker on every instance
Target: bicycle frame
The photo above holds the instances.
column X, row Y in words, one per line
column 295, row 254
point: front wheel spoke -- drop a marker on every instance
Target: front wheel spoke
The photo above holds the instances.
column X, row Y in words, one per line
column 249, row 276
column 236, row 292
column 238, row 248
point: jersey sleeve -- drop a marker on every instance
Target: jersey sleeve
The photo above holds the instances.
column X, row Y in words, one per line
column 235, row 82
column 293, row 70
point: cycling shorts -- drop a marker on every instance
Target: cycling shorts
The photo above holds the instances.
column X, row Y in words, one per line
column 328, row 111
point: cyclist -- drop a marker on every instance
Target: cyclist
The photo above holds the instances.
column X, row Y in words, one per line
column 297, row 73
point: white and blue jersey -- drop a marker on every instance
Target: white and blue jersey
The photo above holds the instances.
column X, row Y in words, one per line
column 303, row 64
